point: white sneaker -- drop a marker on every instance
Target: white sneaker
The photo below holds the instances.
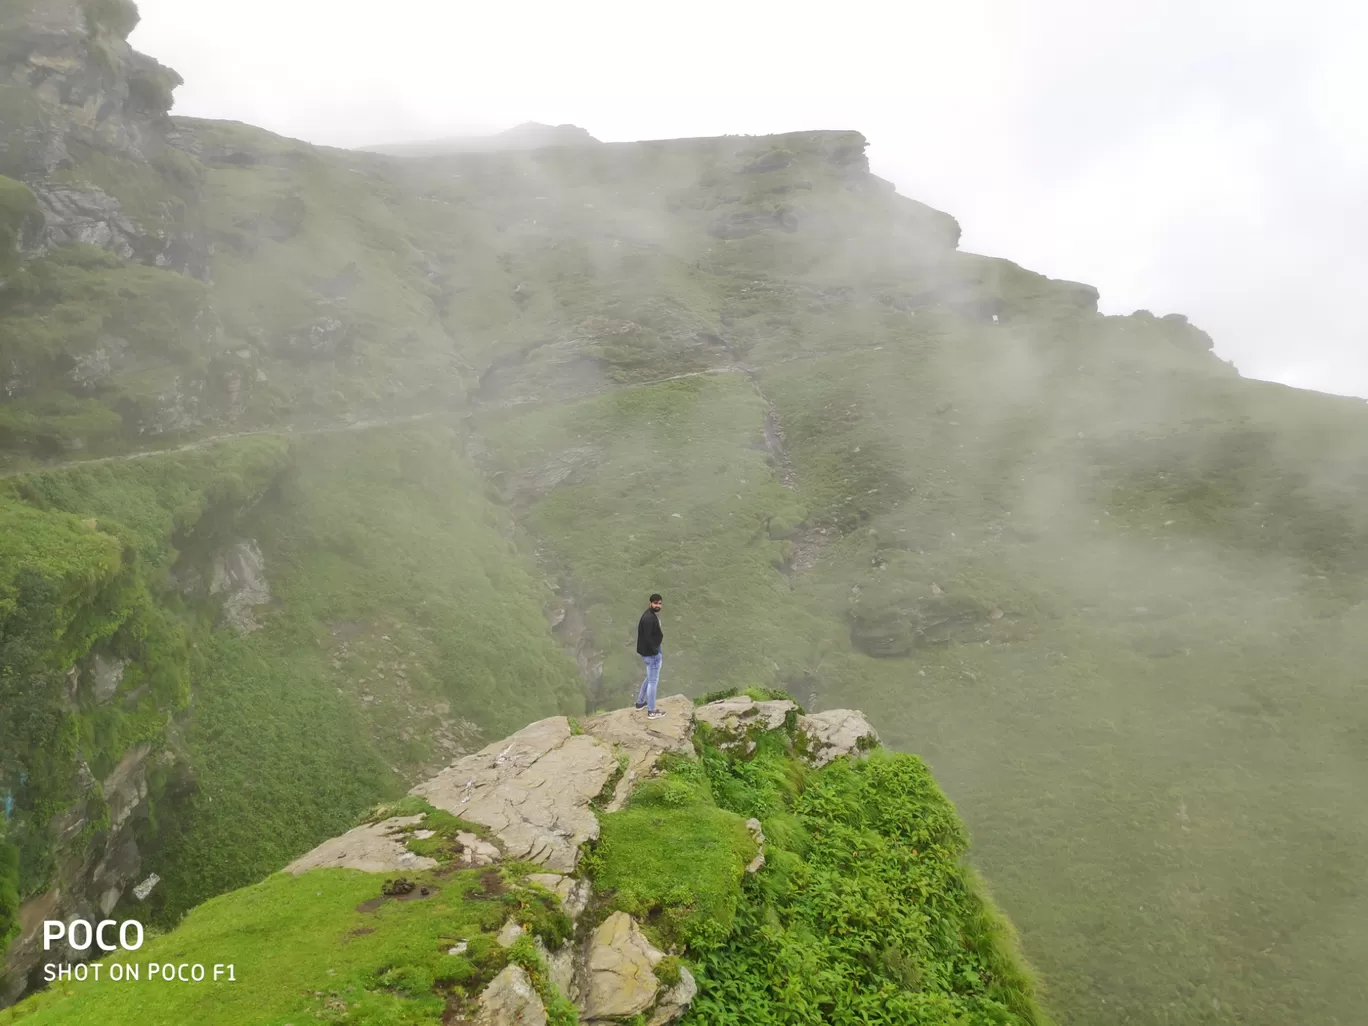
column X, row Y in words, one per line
column 655, row 715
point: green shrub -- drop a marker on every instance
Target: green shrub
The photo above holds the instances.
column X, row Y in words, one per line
column 19, row 219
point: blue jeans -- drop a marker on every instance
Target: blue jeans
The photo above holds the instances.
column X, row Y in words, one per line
column 647, row 694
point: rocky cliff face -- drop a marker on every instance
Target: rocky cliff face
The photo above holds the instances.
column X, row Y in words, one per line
column 87, row 127
column 619, row 869
column 94, row 844
column 538, row 796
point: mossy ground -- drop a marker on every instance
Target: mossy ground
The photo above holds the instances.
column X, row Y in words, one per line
column 863, row 912
column 322, row 947
column 400, row 607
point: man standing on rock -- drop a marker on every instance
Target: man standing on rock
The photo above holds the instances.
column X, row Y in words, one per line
column 649, row 637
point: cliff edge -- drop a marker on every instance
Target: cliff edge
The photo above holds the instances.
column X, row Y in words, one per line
column 736, row 861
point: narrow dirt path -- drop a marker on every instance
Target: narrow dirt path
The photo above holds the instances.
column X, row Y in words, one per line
column 211, row 440
column 773, row 432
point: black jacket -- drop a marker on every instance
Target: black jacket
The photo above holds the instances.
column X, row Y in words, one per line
column 649, row 634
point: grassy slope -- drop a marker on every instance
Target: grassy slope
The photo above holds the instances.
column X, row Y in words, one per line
column 302, row 948
column 864, row 913
column 1147, row 657
column 399, row 606
column 402, row 615
column 82, row 570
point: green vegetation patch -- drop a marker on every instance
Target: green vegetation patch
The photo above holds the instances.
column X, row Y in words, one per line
column 673, row 860
column 864, row 912
column 83, row 559
column 399, row 612
column 668, row 489
column 326, row 946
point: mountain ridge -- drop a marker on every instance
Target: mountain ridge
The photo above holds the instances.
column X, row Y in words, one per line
column 1110, row 590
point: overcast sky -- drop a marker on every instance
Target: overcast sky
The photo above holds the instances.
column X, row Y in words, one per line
column 1201, row 156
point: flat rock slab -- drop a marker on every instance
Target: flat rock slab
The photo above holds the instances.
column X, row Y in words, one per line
column 532, row 790
column 511, row 1000
column 372, row 848
column 644, row 740
column 835, row 733
column 632, row 730
column 619, row 982
column 476, row 851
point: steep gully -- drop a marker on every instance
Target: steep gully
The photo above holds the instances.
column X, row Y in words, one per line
column 568, row 622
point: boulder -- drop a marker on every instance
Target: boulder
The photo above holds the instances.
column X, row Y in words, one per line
column 511, row 1000
column 757, row 832
column 826, row 736
column 475, row 851
column 619, row 982
column 239, row 575
column 371, row 848
column 532, row 790
column 675, row 1001
column 573, row 894
column 736, row 719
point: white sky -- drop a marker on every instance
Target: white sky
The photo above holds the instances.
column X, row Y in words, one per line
column 1201, row 156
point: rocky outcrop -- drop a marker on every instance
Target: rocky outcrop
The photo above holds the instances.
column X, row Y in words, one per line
column 87, row 215
column 239, row 575
column 619, row 981
column 78, row 96
column 826, row 736
column 532, row 791
column 91, row 880
column 643, row 741
column 371, row 848
column 511, row 1000
column 538, row 792
column 736, row 721
column 106, row 675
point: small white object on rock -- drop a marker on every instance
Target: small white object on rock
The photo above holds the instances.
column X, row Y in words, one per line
column 476, row 851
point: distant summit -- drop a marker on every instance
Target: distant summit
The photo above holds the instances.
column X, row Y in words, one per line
column 528, row 136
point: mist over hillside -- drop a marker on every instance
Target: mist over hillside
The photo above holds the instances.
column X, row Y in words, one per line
column 325, row 468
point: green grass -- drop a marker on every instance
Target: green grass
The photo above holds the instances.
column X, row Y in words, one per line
column 863, row 913
column 672, row 860
column 686, row 448
column 301, row 949
column 82, row 566
column 393, row 583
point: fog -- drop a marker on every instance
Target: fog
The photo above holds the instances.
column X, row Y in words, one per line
column 1205, row 158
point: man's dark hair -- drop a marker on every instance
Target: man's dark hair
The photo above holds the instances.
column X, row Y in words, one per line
column 656, row 598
